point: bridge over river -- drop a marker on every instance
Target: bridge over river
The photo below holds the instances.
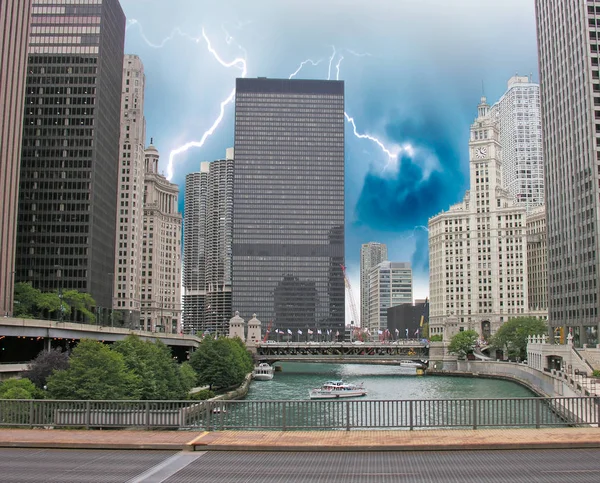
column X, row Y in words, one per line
column 344, row 352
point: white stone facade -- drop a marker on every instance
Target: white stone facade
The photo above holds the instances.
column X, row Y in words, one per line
column 478, row 249
column 537, row 262
column 161, row 251
column 371, row 254
column 130, row 213
column 518, row 118
column 390, row 284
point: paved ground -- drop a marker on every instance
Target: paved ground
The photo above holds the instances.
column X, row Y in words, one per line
column 78, row 466
column 451, row 439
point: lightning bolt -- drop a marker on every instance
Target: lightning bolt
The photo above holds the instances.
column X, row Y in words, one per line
column 330, row 62
column 337, row 67
column 237, row 62
column 176, row 32
column 302, row 64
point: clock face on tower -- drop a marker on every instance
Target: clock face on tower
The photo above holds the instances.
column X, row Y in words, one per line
column 481, row 153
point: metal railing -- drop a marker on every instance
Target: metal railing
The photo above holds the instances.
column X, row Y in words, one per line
column 305, row 415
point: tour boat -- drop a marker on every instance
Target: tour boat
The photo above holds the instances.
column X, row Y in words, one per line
column 337, row 389
column 263, row 372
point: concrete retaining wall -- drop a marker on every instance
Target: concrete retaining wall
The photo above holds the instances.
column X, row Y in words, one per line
column 539, row 382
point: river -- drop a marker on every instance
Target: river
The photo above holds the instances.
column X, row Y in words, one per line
column 382, row 382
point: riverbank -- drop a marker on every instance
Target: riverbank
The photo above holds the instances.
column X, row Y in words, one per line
column 538, row 382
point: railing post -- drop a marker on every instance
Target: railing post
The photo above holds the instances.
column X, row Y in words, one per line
column 147, row 414
column 88, row 414
column 410, row 415
column 537, row 413
column 208, row 409
column 474, row 412
column 31, row 416
column 283, row 416
column 347, row 415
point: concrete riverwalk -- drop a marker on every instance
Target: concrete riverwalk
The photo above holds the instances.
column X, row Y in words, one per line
column 420, row 440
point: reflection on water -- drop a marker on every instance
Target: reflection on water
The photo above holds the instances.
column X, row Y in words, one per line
column 382, row 382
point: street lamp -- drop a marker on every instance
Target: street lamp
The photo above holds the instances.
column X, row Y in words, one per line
column 112, row 297
column 59, row 269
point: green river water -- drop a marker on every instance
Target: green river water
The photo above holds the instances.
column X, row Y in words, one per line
column 382, row 382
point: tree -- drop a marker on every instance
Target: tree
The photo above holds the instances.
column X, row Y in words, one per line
column 222, row 362
column 188, row 376
column 26, row 300
column 462, row 343
column 82, row 302
column 19, row 389
column 95, row 372
column 512, row 335
column 153, row 364
column 45, row 364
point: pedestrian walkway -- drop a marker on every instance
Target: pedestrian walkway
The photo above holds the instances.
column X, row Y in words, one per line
column 420, row 440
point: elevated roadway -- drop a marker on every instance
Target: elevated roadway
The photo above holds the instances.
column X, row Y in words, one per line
column 22, row 339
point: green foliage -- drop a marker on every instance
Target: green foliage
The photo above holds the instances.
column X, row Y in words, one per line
column 45, row 364
column 95, row 372
column 221, row 363
column 462, row 343
column 512, row 335
column 30, row 302
column 202, row 395
column 26, row 299
column 19, row 389
column 83, row 302
column 153, row 364
column 188, row 376
column 596, row 373
column 436, row 338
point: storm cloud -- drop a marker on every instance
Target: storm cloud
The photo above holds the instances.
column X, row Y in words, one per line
column 425, row 182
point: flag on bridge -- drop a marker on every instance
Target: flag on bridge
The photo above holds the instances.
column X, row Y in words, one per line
column 289, row 332
column 379, row 332
column 397, row 331
column 417, row 332
column 337, row 332
column 328, row 331
column 319, row 331
column 310, row 331
column 299, row 332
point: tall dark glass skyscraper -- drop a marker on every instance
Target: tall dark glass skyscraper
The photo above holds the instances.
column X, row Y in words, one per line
column 69, row 163
column 288, row 207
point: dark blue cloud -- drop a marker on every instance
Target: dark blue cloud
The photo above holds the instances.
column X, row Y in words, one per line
column 408, row 198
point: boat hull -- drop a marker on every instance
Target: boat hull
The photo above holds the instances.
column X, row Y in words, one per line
column 262, row 377
column 336, row 395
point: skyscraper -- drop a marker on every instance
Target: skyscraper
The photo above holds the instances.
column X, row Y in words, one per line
column 288, row 205
column 161, row 251
column 569, row 57
column 207, row 247
column 130, row 192
column 14, row 19
column 69, row 163
column 371, row 255
column 390, row 285
column 518, row 118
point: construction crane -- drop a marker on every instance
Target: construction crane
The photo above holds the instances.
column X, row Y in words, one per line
column 351, row 298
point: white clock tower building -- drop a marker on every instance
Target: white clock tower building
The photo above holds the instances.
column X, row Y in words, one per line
column 478, row 248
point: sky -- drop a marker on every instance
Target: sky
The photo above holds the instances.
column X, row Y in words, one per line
column 414, row 72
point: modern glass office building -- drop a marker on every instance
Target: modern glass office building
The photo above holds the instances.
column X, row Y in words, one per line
column 70, row 157
column 288, row 208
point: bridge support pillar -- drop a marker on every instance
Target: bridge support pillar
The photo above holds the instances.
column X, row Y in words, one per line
column 47, row 344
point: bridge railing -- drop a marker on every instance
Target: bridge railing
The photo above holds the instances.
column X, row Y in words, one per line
column 304, row 415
